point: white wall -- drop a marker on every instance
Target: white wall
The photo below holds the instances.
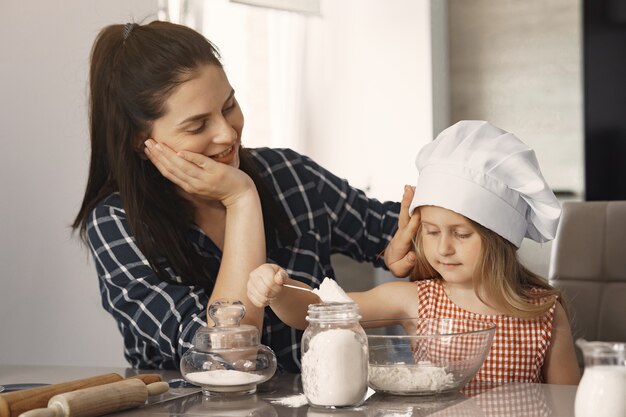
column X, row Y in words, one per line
column 376, row 90
column 369, row 91
column 367, row 117
column 50, row 310
column 518, row 64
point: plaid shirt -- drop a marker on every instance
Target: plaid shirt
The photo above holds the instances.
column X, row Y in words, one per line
column 158, row 320
column 519, row 345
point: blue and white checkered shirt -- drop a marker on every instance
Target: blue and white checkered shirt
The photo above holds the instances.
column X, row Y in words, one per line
column 158, row 320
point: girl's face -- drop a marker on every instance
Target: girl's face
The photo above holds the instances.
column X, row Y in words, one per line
column 451, row 244
column 203, row 116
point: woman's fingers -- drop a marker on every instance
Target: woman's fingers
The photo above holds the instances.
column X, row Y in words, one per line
column 158, row 155
column 195, row 173
column 197, row 159
column 399, row 254
column 200, row 176
column 403, row 267
column 407, row 197
column 172, row 165
column 410, row 230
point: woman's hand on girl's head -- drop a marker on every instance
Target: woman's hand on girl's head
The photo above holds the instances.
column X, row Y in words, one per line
column 265, row 283
column 198, row 175
column 400, row 253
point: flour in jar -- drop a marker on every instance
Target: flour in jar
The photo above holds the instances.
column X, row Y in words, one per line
column 224, row 377
column 334, row 369
column 410, row 378
column 330, row 292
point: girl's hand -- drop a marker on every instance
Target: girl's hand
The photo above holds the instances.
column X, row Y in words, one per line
column 199, row 175
column 265, row 283
column 400, row 254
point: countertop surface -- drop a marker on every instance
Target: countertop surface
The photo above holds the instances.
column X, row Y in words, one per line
column 280, row 395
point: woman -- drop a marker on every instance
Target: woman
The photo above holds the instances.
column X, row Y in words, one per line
column 177, row 213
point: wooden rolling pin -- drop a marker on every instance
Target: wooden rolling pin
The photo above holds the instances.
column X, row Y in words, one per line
column 99, row 400
column 12, row 404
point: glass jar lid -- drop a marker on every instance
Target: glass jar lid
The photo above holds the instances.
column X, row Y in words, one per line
column 227, row 333
column 333, row 312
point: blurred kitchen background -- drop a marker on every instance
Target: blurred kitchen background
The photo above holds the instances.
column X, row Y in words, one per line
column 358, row 85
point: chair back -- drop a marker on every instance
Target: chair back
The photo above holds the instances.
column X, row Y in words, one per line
column 588, row 264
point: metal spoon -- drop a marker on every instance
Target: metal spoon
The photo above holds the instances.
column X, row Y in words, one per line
column 298, row 288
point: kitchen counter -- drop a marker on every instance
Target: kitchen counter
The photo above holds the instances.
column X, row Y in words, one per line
column 528, row 400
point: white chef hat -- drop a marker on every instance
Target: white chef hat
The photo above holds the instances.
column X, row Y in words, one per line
column 489, row 176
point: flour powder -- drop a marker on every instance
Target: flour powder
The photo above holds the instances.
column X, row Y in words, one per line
column 334, row 369
column 409, row 378
column 223, row 377
column 291, row 401
column 330, row 292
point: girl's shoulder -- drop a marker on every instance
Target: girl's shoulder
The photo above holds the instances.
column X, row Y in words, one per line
column 433, row 283
column 541, row 295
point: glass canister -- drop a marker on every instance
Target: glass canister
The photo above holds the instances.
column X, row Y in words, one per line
column 228, row 358
column 602, row 389
column 334, row 356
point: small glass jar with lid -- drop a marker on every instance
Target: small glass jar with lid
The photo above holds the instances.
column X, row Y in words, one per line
column 228, row 358
column 334, row 356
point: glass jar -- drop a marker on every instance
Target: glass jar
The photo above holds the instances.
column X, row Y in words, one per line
column 334, row 356
column 228, row 358
column 603, row 385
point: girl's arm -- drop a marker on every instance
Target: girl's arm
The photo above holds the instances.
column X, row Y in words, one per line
column 392, row 300
column 560, row 365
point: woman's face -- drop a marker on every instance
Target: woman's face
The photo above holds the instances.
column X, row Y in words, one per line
column 451, row 244
column 203, row 116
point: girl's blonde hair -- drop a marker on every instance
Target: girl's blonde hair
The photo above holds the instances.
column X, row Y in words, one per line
column 499, row 276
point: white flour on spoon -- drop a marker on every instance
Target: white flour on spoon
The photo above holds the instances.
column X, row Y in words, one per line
column 330, row 292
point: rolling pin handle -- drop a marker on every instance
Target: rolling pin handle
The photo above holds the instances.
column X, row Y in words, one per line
column 157, row 388
column 54, row 411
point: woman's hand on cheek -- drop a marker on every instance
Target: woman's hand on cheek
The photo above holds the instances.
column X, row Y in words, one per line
column 198, row 175
column 400, row 254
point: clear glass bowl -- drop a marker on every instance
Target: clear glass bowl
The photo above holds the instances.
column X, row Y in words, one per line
column 425, row 356
column 228, row 358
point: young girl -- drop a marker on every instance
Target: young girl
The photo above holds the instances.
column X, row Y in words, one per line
column 479, row 193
